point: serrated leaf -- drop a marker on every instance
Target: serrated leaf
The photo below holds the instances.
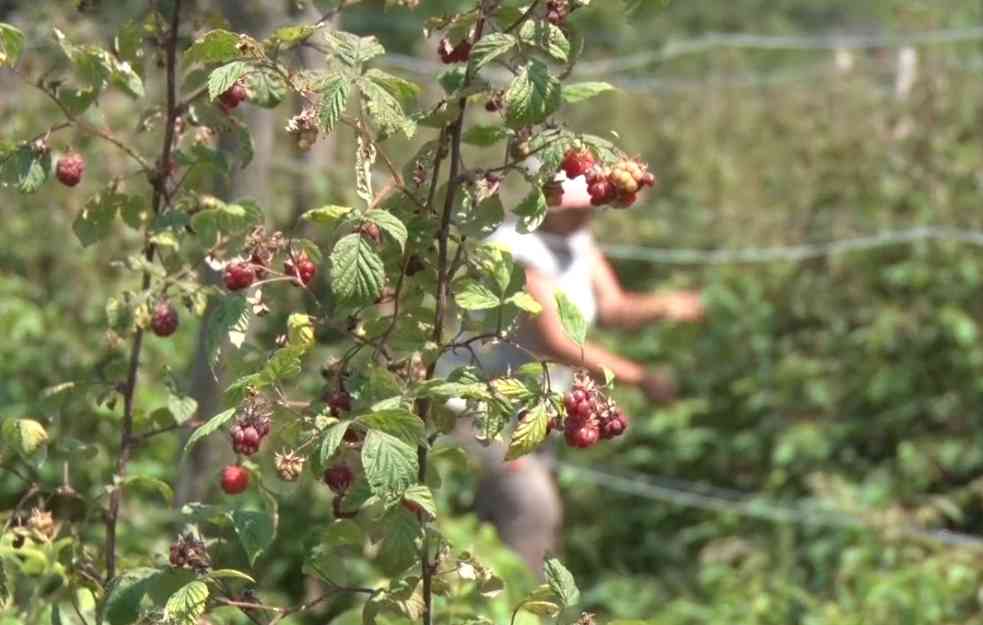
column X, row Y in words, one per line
column 266, row 88
column 255, row 531
column 385, row 110
column 390, row 224
column 123, row 604
column 547, row 37
column 390, row 465
column 578, row 92
column 533, row 96
column 400, row 547
column 221, row 79
column 26, row 168
column 187, row 604
column 11, row 45
column 511, row 388
column 561, row 581
column 473, row 295
column 485, row 136
column 182, row 407
column 572, row 320
column 403, row 90
column 247, row 147
column 489, row 48
column 353, row 50
column 95, row 222
column 231, row 574
column 153, row 484
column 402, row 424
column 216, row 46
column 531, row 211
column 357, row 271
column 529, row 433
column 210, row 426
column 330, row 214
column 227, row 219
column 423, row 498
column 332, row 441
column 334, row 100
column 300, row 332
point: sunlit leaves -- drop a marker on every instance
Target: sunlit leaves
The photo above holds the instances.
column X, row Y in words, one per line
column 25, row 167
column 578, row 92
column 357, row 271
column 529, row 433
column 572, row 320
column 390, row 464
column 210, row 426
column 561, row 581
column 352, row 50
column 187, row 604
column 533, row 96
column 11, row 45
column 490, row 47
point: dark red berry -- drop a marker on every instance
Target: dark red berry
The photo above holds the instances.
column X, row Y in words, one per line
column 600, row 192
column 339, row 478
column 626, row 199
column 301, row 268
column 70, row 169
column 250, row 436
column 232, row 97
column 235, row 479
column 412, row 506
column 164, row 320
column 577, row 163
column 454, row 54
column 239, row 276
column 614, row 427
column 582, row 435
column 339, row 402
column 462, row 52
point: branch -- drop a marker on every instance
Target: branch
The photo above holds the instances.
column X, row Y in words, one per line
column 127, row 439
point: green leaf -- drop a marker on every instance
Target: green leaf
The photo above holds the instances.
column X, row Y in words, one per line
column 403, row 90
column 334, row 100
column 547, row 37
column 247, row 147
column 230, row 318
column 574, row 325
column 489, row 48
column 266, row 88
column 332, row 441
column 562, row 582
column 145, row 482
column 217, row 217
column 400, row 547
column 390, row 465
column 533, row 96
column 289, row 36
column 578, row 92
column 402, row 424
column 27, row 437
column 352, row 50
column 11, row 45
column 212, row 425
column 388, row 223
column 187, row 604
column 531, row 211
column 216, row 46
column 182, row 407
column 526, row 302
column 231, row 574
column 422, row 497
column 55, row 614
column 26, row 168
column 357, row 272
column 473, row 295
column 529, row 433
column 385, row 110
column 485, row 136
column 123, row 603
column 221, row 79
column 255, row 531
column 330, row 214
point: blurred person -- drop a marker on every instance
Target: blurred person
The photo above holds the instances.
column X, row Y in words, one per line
column 520, row 497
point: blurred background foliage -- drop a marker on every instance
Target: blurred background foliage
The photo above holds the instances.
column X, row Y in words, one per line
column 848, row 383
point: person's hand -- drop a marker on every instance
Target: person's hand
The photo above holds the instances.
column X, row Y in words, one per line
column 686, row 306
column 659, row 386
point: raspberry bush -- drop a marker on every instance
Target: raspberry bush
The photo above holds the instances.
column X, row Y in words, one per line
column 398, row 277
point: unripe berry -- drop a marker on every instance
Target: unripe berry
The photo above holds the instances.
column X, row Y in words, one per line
column 301, row 268
column 239, row 276
column 70, row 169
column 164, row 320
column 288, row 465
column 339, row 478
column 235, row 479
column 577, row 162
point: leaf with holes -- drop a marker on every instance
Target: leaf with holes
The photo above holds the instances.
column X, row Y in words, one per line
column 529, row 433
column 533, row 95
column 357, row 272
column 390, row 465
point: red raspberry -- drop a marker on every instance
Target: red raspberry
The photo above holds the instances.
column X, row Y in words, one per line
column 582, row 435
column 454, row 54
column 239, row 276
column 577, row 162
column 339, row 402
column 301, row 268
column 626, row 199
column 235, row 479
column 164, row 320
column 232, row 97
column 371, row 232
column 339, row 478
column 70, row 169
column 614, row 427
column 600, row 192
column 648, row 179
column 412, row 506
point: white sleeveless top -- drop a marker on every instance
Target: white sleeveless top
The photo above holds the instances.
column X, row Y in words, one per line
column 567, row 261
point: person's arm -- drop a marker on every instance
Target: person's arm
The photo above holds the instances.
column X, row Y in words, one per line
column 656, row 384
column 622, row 309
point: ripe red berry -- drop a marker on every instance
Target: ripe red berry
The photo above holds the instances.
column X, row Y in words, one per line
column 600, row 192
column 648, row 179
column 232, row 97
column 339, row 478
column 582, row 435
column 454, row 54
column 462, row 52
column 614, row 427
column 626, row 199
column 301, row 268
column 239, row 276
column 339, row 402
column 577, row 162
column 235, row 479
column 70, row 169
column 164, row 320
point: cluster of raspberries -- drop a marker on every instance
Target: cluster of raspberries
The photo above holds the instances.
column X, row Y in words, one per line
column 617, row 184
column 248, row 433
column 241, row 275
column 590, row 415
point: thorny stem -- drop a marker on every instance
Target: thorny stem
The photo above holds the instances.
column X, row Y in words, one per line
column 158, row 180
